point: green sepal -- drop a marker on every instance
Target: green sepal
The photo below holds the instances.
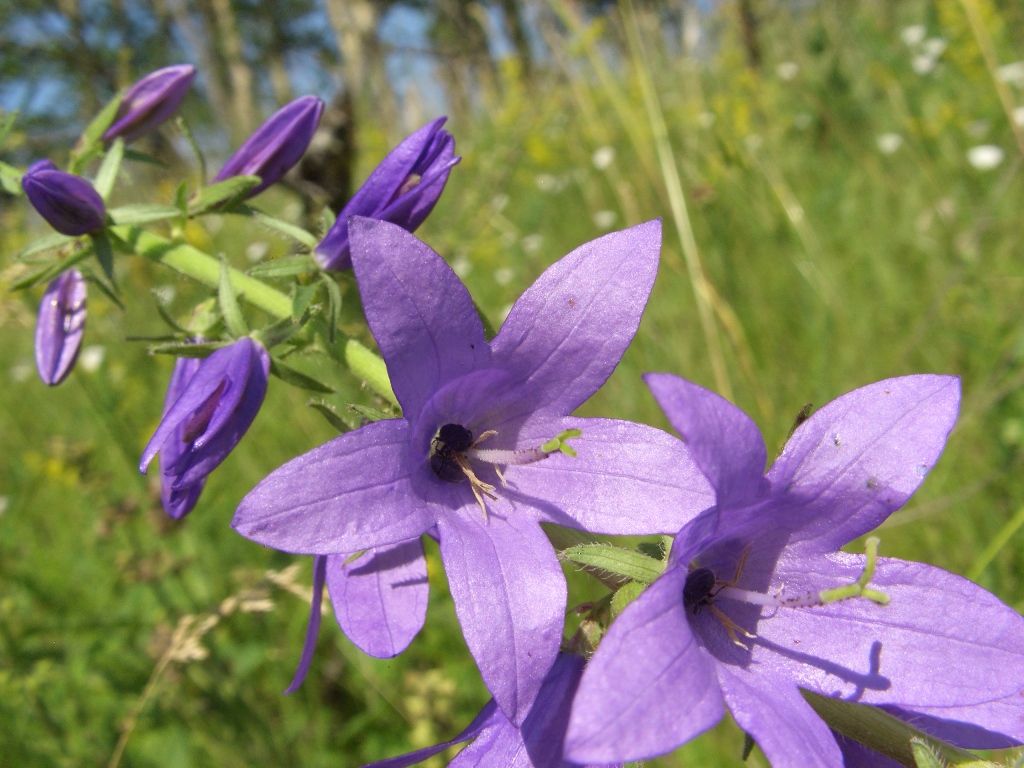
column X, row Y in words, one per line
column 293, row 231
column 142, row 213
column 330, row 413
column 161, row 309
column 327, row 219
column 333, row 305
column 302, row 297
column 10, row 180
column 621, row 562
column 279, row 332
column 368, row 413
column 107, row 174
column 104, row 254
column 228, row 302
column 44, row 243
column 53, row 269
column 297, row 379
column 652, row 549
column 88, row 145
column 370, row 368
column 186, row 348
column 625, row 595
column 181, row 198
column 222, row 194
column 287, row 266
column 924, row 755
column 109, row 291
column 141, row 157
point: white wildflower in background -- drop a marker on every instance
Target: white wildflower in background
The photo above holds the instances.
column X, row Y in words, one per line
column 499, row 202
column 164, row 293
column 92, row 358
column 913, row 35
column 706, row 119
column 256, row 250
column 1012, row 74
column 462, row 266
column 532, row 243
column 21, row 370
column 934, row 47
column 604, row 219
column 787, row 70
column 603, row 157
column 922, row 64
column 214, row 223
column 504, row 275
column 1018, row 115
column 985, row 157
column 547, row 183
column 888, row 143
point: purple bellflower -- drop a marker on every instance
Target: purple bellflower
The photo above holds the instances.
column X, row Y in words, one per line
column 402, row 189
column 482, row 453
column 757, row 600
column 209, row 417
column 499, row 743
column 69, row 203
column 276, row 145
column 177, row 503
column 150, row 101
column 60, row 327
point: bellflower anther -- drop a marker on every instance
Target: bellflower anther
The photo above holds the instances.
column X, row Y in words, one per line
column 469, row 458
column 757, row 601
column 211, row 414
column 402, row 189
column 150, row 101
column 276, row 145
column 497, row 742
column 69, row 203
column 60, row 327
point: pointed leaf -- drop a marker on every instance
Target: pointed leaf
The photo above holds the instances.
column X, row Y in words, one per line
column 107, row 174
column 93, row 134
column 143, row 213
column 287, row 266
column 53, row 269
column 333, row 305
column 229, row 303
column 302, row 298
column 141, row 157
column 371, row 414
column 293, row 231
column 328, row 411
column 44, row 243
column 186, row 349
column 196, row 149
column 625, row 595
column 624, row 562
column 10, row 179
column 104, row 254
column 222, row 193
column 297, row 379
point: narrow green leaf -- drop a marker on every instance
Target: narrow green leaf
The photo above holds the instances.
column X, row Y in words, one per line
column 293, row 231
column 181, row 197
column 333, row 305
column 287, row 266
column 278, row 333
column 370, row 368
column 186, row 349
column 142, row 213
column 625, row 595
column 302, row 297
column 142, row 157
column 222, row 194
column 10, row 180
column 623, row 562
column 52, row 270
column 104, row 254
column 297, row 379
column 327, row 219
column 93, row 133
column 368, row 413
column 7, row 125
column 228, row 301
column 44, row 243
column 161, row 308
column 186, row 131
column 105, row 289
column 331, row 414
column 107, row 174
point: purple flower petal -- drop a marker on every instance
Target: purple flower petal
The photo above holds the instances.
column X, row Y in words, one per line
column 725, row 443
column 177, row 504
column 773, row 712
column 509, row 594
column 568, row 331
column 419, row 311
column 648, row 658
column 380, row 598
column 150, row 101
column 60, row 327
column 856, row 755
column 68, row 203
column 313, row 629
column 349, row 494
column 858, row 459
column 646, row 479
column 908, row 654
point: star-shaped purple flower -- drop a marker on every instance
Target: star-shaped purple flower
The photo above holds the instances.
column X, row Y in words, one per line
column 743, row 615
column 483, row 451
column 497, row 742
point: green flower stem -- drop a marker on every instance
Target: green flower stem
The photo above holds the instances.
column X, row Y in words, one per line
column 200, row 266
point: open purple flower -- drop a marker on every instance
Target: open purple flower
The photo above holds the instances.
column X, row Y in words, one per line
column 211, row 414
column 486, row 449
column 756, row 599
column 276, row 145
column 60, row 327
column 177, row 503
column 402, row 189
column 150, row 101
column 497, row 742
column 69, row 203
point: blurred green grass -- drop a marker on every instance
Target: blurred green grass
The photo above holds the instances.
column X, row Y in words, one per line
column 841, row 265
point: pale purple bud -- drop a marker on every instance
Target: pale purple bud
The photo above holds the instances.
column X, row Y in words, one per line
column 60, row 327
column 276, row 145
column 150, row 101
column 402, row 189
column 69, row 203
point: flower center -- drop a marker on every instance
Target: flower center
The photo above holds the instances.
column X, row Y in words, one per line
column 453, row 446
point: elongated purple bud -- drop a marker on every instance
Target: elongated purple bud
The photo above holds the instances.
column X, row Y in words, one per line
column 177, row 503
column 150, row 101
column 69, row 203
column 276, row 145
column 403, row 189
column 60, row 327
column 210, row 416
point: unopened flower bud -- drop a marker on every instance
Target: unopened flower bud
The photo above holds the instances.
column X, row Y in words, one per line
column 69, row 203
column 276, row 145
column 60, row 327
column 177, row 503
column 150, row 101
column 402, row 189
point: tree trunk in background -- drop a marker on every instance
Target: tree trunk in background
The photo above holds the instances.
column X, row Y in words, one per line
column 197, row 38
column 238, row 69
column 748, row 32
column 324, row 177
column 516, row 31
column 82, row 59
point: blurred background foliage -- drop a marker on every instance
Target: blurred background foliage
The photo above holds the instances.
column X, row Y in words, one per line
column 842, row 195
